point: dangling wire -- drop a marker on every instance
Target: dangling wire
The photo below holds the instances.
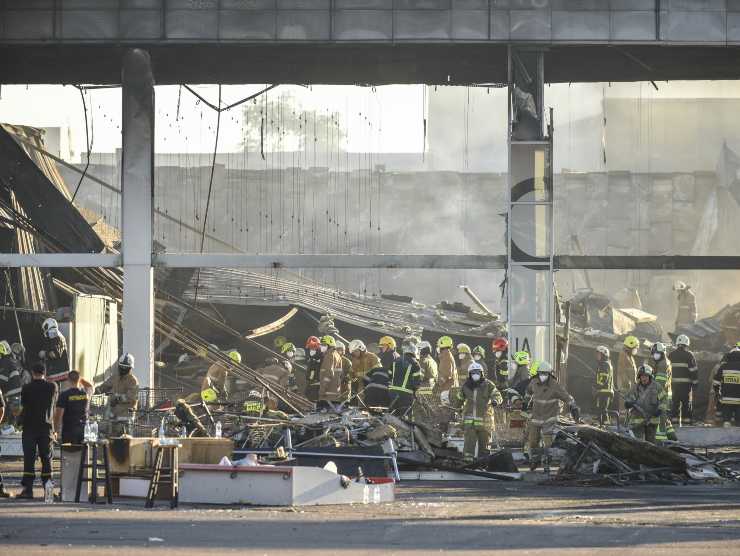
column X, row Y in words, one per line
column 88, row 142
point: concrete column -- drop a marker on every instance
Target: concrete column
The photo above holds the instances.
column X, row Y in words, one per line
column 137, row 179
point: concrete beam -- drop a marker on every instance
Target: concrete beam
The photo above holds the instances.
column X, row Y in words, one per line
column 60, row 260
column 137, row 179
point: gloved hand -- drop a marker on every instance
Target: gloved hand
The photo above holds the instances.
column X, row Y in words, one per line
column 629, row 405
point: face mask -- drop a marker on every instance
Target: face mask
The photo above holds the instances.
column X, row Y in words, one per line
column 461, row 356
column 312, row 352
column 477, row 357
column 543, row 378
column 122, row 371
column 290, row 354
column 499, row 354
column 656, row 356
column 475, row 377
column 324, row 348
column 52, row 333
column 634, row 351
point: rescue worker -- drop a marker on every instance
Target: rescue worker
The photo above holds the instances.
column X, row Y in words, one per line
column 363, row 362
column 685, row 380
column 11, row 380
column 37, row 399
column 388, row 353
column 54, row 352
column 406, row 377
column 314, row 355
column 274, row 371
column 520, row 370
column 477, row 397
column 687, row 313
column 663, row 373
column 647, row 404
column 464, row 359
column 260, row 406
column 603, row 388
column 287, row 350
column 447, row 377
column 71, row 411
column 279, row 342
column 3, row 493
column 726, row 386
column 217, row 379
column 500, row 347
column 626, row 373
column 479, row 356
column 428, row 366
column 330, row 373
column 346, row 372
column 545, row 397
column 122, row 388
column 376, row 387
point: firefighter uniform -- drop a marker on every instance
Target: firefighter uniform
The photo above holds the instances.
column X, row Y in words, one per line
column 545, row 399
column 54, row 353
column 684, row 382
column 477, row 400
column 123, row 399
column 648, row 406
column 727, row 387
column 502, row 370
column 330, row 377
column 687, row 312
column 664, row 377
column 313, row 371
column 447, row 371
column 406, row 376
column 275, row 371
column 376, row 387
column 626, row 373
column 603, row 389
column 11, row 384
column 429, row 371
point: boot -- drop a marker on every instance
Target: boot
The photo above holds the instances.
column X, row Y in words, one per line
column 26, row 494
column 3, row 493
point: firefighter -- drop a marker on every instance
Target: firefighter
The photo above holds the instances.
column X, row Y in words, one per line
column 363, row 362
column 647, row 404
column 346, row 371
column 11, row 381
column 215, row 385
column 477, row 396
column 54, row 352
column 685, row 380
column 603, row 388
column 275, row 371
column 545, row 397
column 479, row 356
column 314, row 355
column 687, row 313
column 406, row 377
column 464, row 359
column 388, row 353
column 447, row 377
column 626, row 374
column 376, row 387
column 330, row 373
column 500, row 347
column 727, row 386
column 428, row 366
column 122, row 388
column 662, row 374
column 520, row 368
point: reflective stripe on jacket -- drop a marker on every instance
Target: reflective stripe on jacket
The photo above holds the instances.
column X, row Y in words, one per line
column 476, row 399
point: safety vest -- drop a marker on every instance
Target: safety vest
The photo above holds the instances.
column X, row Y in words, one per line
column 605, row 378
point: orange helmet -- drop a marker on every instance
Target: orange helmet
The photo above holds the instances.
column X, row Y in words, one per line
column 313, row 343
column 500, row 344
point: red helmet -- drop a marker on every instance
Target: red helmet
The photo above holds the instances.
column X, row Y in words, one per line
column 313, row 343
column 500, row 344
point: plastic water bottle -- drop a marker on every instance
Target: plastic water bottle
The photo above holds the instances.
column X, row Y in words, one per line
column 88, row 432
column 183, row 432
column 94, row 431
column 162, row 435
column 49, row 492
column 218, row 429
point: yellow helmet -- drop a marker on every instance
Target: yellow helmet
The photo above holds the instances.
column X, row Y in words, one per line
column 279, row 341
column 235, row 356
column 209, row 395
column 388, row 342
column 534, row 367
column 445, row 342
column 631, row 342
column 286, row 347
column 328, row 341
column 4, row 348
column 521, row 358
column 463, row 348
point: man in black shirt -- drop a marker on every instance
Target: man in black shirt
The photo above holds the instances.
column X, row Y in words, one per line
column 71, row 412
column 3, row 493
column 37, row 399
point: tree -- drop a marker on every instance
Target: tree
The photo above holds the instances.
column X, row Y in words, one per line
column 278, row 122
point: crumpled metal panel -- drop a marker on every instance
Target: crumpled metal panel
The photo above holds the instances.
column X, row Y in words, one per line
column 414, row 24
column 580, row 25
column 470, row 24
column 247, row 25
column 303, row 25
column 363, row 25
column 693, row 26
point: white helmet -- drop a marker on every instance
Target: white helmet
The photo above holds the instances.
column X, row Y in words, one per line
column 424, row 344
column 683, row 340
column 409, row 347
column 475, row 368
column 126, row 361
column 356, row 345
column 603, row 350
column 678, row 286
column 48, row 324
column 340, row 345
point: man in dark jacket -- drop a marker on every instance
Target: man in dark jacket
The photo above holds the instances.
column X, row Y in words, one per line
column 38, row 399
column 727, row 386
column 72, row 411
column 54, row 352
column 405, row 379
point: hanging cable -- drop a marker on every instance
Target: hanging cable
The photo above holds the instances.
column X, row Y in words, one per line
column 210, row 189
column 230, row 106
column 88, row 143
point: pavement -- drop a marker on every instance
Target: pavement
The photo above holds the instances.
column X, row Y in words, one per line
column 469, row 517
